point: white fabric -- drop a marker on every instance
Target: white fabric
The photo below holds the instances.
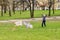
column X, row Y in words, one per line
column 18, row 23
column 27, row 24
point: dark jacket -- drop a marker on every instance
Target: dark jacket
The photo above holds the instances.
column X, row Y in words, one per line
column 44, row 18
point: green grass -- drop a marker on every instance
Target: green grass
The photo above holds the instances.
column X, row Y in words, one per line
column 50, row 32
column 26, row 14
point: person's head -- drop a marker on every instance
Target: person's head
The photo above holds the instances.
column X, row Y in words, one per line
column 44, row 15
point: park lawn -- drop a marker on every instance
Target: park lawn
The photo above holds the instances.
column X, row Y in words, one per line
column 50, row 32
column 26, row 14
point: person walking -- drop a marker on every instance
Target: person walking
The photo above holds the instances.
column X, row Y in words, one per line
column 44, row 20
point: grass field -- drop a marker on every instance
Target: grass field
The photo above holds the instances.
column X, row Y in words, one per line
column 50, row 32
column 26, row 14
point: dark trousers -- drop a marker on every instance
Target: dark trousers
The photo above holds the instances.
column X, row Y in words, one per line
column 44, row 23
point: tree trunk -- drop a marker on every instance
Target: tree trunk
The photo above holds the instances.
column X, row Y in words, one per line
column 9, row 12
column 49, row 11
column 1, row 10
column 53, row 10
column 50, row 5
column 32, row 12
column 30, row 7
column 53, row 6
column 5, row 8
column 14, row 7
column 20, row 11
column 23, row 6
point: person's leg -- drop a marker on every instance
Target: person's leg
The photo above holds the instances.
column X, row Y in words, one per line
column 45, row 24
column 42, row 24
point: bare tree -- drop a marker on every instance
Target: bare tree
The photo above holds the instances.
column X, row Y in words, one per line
column 5, row 5
column 32, row 11
column 23, row 6
column 50, row 5
column 1, row 7
column 9, row 11
column 53, row 6
column 13, row 8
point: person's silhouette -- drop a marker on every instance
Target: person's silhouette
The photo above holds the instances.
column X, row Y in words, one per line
column 44, row 20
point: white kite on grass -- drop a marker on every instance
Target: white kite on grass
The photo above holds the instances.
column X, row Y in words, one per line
column 27, row 24
column 18, row 23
